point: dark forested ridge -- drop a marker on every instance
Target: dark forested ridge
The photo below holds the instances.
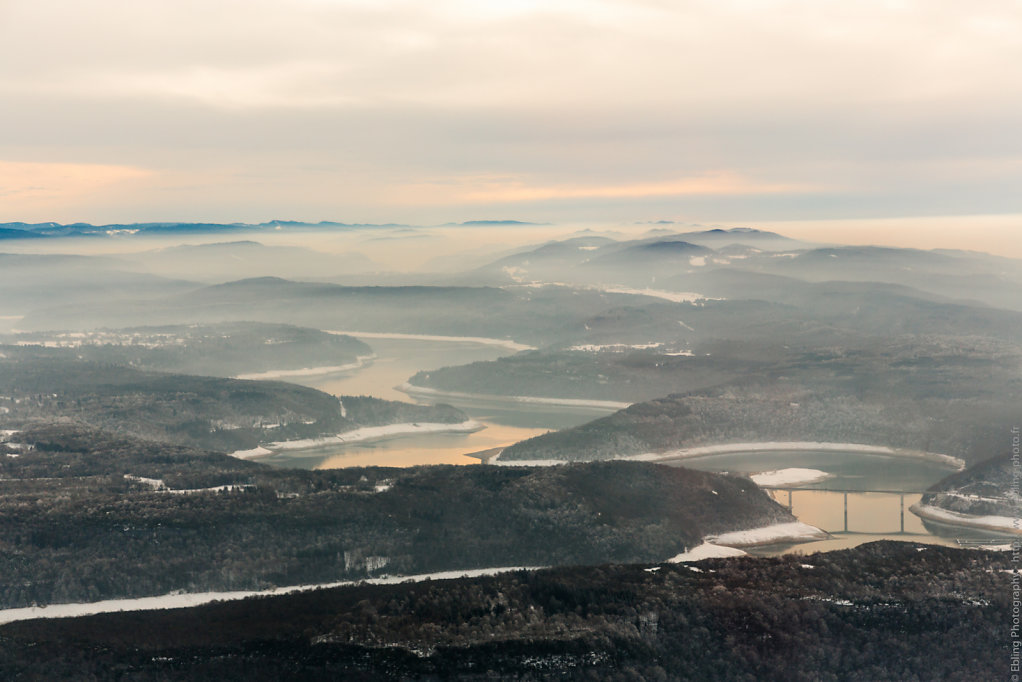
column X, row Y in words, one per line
column 43, row 384
column 882, row 611
column 222, row 350
column 89, row 516
column 987, row 488
column 942, row 395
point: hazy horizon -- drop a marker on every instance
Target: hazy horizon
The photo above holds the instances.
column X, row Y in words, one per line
column 701, row 112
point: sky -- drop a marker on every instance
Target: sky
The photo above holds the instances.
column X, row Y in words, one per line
column 716, row 111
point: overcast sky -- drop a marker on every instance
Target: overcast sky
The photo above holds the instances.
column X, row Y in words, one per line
column 368, row 110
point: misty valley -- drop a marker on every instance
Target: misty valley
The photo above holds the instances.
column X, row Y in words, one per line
column 598, row 451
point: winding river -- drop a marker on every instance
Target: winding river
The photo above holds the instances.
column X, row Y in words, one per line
column 395, row 361
column 866, row 496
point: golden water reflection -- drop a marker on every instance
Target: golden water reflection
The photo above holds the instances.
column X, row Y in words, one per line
column 871, row 516
column 432, row 449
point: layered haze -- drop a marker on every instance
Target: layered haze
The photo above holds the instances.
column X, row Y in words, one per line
column 713, row 112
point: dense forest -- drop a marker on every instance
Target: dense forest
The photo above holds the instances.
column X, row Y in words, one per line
column 987, row 488
column 939, row 396
column 223, row 350
column 904, row 367
column 44, row 384
column 882, row 611
column 88, row 515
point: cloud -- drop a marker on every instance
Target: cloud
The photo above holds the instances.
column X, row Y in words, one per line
column 720, row 183
column 30, row 187
column 352, row 106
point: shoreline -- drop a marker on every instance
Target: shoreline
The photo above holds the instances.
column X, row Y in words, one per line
column 481, row 340
column 733, row 543
column 774, row 534
column 732, row 448
column 366, row 433
column 612, row 405
column 1000, row 524
column 360, row 362
column 181, row 600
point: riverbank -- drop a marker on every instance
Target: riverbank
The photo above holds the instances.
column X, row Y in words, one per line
column 366, row 433
column 732, row 448
column 732, row 544
column 360, row 362
column 608, row 405
column 180, row 600
column 1000, row 524
column 481, row 340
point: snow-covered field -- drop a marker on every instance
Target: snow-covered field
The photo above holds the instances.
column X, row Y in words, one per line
column 184, row 600
column 503, row 343
column 1005, row 524
column 363, row 434
column 791, row 476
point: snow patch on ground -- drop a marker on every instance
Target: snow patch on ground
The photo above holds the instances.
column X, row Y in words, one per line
column 673, row 296
column 795, row 531
column 618, row 347
column 158, row 485
column 791, row 476
column 707, row 550
column 185, row 600
column 251, row 454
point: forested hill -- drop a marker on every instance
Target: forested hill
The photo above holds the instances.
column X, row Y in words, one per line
column 224, row 350
column 985, row 489
column 782, row 410
column 879, row 612
column 38, row 385
column 96, row 517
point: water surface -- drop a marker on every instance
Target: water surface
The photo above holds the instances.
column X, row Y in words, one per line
column 397, row 360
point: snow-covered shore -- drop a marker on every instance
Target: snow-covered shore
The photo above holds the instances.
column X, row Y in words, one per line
column 789, row 477
column 730, row 448
column 1003, row 524
column 359, row 363
column 729, row 544
column 482, row 340
column 707, row 550
column 563, row 402
column 794, row 531
column 181, row 600
column 363, row 434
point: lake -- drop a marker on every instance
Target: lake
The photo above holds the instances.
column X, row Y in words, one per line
column 871, row 515
column 397, row 360
column 855, row 479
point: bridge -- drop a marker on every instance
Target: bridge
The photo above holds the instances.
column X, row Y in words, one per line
column 974, row 538
column 845, row 492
